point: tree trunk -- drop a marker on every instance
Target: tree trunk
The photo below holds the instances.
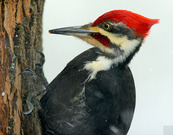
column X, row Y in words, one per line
column 20, row 37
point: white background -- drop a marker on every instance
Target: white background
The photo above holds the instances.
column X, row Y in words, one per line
column 152, row 67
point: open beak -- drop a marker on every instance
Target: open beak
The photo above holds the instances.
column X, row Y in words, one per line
column 74, row 31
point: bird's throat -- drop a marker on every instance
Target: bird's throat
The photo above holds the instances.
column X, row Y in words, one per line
column 122, row 56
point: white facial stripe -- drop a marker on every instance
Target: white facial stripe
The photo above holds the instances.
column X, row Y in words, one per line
column 114, row 39
column 128, row 46
column 118, row 40
column 122, row 41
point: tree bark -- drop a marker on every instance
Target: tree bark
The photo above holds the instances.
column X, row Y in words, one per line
column 20, row 37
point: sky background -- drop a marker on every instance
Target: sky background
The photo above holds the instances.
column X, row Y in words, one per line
column 152, row 67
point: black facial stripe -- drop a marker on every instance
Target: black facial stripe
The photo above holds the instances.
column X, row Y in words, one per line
column 124, row 31
column 118, row 29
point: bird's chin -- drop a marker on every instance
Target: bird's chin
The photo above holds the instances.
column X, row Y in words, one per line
column 94, row 42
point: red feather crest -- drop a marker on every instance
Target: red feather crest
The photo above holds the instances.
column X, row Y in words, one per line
column 139, row 23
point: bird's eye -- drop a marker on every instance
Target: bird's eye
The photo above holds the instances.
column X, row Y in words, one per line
column 106, row 26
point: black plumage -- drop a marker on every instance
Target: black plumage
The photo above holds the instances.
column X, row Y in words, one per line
column 95, row 93
column 101, row 106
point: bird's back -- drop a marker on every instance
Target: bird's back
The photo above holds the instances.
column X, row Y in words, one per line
column 75, row 105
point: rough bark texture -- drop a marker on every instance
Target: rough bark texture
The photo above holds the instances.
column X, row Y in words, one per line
column 20, row 37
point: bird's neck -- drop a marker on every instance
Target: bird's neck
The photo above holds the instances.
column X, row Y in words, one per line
column 104, row 61
column 125, row 55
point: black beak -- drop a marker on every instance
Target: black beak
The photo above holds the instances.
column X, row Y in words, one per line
column 74, row 31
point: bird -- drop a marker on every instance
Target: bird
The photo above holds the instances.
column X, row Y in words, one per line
column 95, row 93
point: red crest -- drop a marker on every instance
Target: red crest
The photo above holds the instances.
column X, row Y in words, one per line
column 139, row 23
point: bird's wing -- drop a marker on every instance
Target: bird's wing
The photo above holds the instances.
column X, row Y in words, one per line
column 111, row 99
column 71, row 80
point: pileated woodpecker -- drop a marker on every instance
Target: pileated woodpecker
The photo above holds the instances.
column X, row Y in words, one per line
column 95, row 93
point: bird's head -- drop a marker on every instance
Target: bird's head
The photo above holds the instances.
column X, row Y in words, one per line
column 118, row 32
